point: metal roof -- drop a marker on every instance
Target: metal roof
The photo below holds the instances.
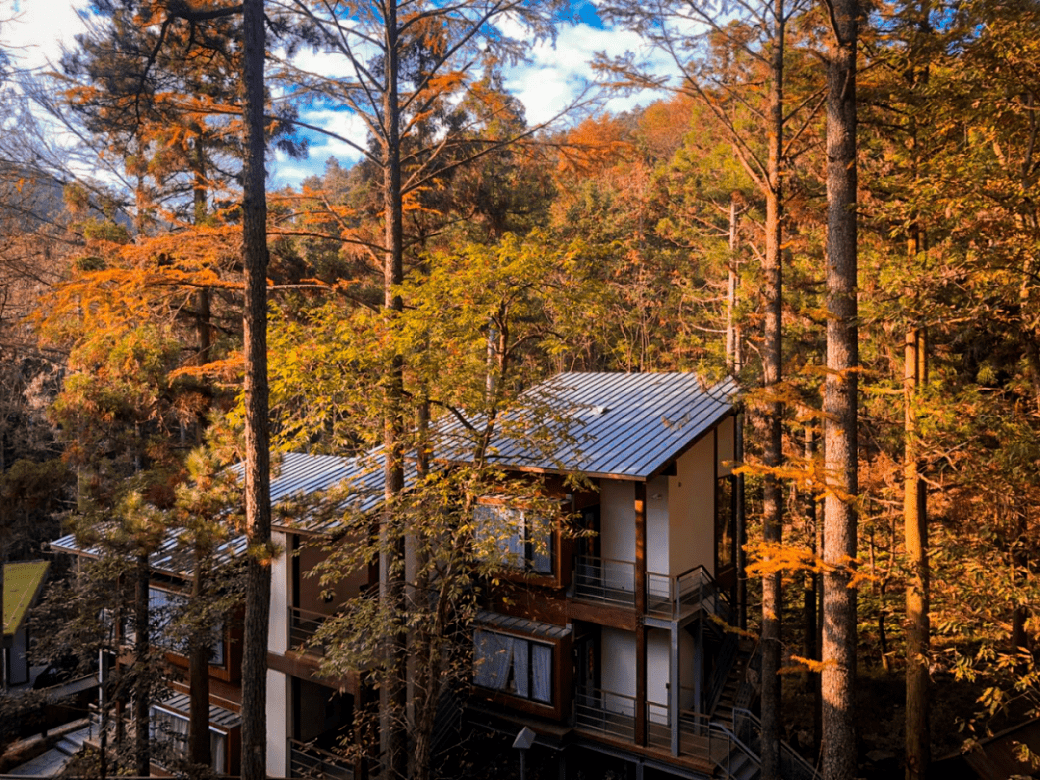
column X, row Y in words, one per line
column 361, row 478
column 180, row 704
column 173, row 555
column 521, row 625
column 625, row 426
column 295, row 475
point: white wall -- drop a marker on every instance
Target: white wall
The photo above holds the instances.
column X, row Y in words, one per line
column 691, row 509
column 277, row 724
column 617, row 535
column 657, row 535
column 617, row 519
column 618, row 662
column 658, row 668
column 281, row 582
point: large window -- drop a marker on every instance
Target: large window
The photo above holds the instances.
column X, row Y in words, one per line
column 515, row 665
column 523, row 540
column 170, row 730
column 163, row 608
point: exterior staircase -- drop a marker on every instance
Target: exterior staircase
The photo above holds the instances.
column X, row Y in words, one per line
column 733, row 693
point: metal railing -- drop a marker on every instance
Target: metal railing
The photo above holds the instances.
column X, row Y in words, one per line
column 303, row 625
column 307, row 761
column 724, row 661
column 793, row 765
column 605, row 712
column 604, row 579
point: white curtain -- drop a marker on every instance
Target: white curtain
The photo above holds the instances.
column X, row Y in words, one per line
column 172, row 731
column 520, row 667
column 491, row 659
column 218, row 751
column 541, row 673
column 496, row 655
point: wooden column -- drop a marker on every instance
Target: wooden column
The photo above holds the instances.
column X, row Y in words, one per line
column 640, row 588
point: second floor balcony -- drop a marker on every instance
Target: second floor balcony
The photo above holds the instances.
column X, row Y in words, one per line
column 671, row 597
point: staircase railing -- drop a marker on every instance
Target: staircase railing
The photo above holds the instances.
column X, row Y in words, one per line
column 721, row 743
column 793, row 766
column 723, row 665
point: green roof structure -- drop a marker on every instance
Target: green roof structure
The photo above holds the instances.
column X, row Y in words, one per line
column 23, row 582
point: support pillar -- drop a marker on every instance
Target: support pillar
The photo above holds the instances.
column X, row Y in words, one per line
column 674, row 689
column 698, row 670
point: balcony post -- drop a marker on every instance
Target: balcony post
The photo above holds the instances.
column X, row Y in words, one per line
column 698, row 668
column 675, row 690
column 640, row 588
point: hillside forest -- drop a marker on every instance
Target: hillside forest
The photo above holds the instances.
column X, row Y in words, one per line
column 837, row 202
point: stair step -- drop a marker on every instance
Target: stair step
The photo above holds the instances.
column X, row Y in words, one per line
column 68, row 747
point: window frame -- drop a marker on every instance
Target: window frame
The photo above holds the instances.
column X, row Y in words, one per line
column 528, row 562
column 510, row 672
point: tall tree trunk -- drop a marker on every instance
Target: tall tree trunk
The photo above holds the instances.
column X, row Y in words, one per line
column 915, row 519
column 810, row 648
column 258, row 467
column 840, row 400
column 734, row 356
column 198, row 670
column 142, row 662
column 772, row 501
column 395, row 696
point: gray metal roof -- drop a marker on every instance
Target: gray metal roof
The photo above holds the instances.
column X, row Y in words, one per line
column 295, row 475
column 172, row 557
column 302, row 475
column 521, row 625
column 626, row 426
column 180, row 703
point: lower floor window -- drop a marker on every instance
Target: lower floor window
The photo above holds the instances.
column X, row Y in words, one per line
column 171, row 730
column 512, row 664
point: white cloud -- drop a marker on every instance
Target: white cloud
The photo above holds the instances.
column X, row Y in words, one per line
column 34, row 31
column 556, row 74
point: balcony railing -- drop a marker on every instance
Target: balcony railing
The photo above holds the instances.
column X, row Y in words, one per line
column 667, row 596
column 605, row 712
column 307, row 761
column 605, row 580
column 303, row 625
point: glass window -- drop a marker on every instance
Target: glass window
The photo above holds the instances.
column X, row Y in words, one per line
column 163, row 608
column 515, row 665
column 170, row 730
column 524, row 541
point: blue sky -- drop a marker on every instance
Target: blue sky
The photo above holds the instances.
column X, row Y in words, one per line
column 34, row 31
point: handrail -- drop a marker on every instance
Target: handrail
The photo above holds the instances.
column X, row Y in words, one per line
column 723, row 665
column 322, row 759
column 303, row 626
column 605, row 711
column 604, row 579
column 807, row 770
column 731, row 739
